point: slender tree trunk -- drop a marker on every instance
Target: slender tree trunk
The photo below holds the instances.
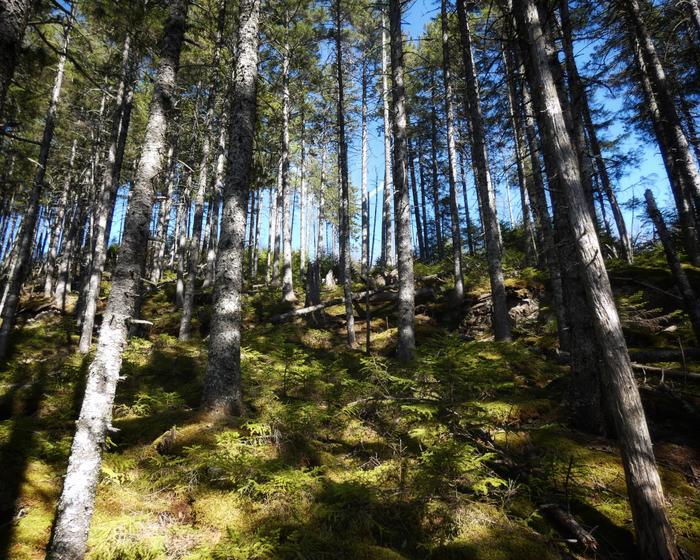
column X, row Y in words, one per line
column 674, row 134
column 364, row 263
column 58, row 226
column 684, row 204
column 287, row 191
column 76, row 504
column 13, row 22
column 164, row 211
column 20, row 269
column 467, row 216
column 402, row 208
column 222, row 383
column 215, row 205
column 344, row 230
column 183, row 221
column 516, row 124
column 416, row 202
column 105, row 196
column 320, row 239
column 654, row 534
column 434, row 169
column 387, row 257
column 692, row 305
column 492, row 235
column 303, row 202
column 452, row 158
column 193, row 248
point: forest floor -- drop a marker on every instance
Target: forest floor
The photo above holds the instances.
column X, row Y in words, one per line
column 340, row 454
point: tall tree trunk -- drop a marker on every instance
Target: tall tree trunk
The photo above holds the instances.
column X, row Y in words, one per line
column 303, row 202
column 365, row 262
column 675, row 136
column 402, row 207
column 654, row 534
column 416, row 203
column 320, row 239
column 105, row 197
column 287, row 191
column 344, row 230
column 492, row 234
column 222, row 382
column 451, row 158
column 58, row 225
column 13, row 22
column 164, row 211
column 20, row 269
column 193, row 248
column 387, row 257
column 467, row 216
column 692, row 305
column 434, row 170
column 516, row 124
column 76, row 504
column 215, row 208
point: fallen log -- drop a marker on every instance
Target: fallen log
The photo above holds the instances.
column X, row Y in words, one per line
column 382, row 294
column 664, row 355
column 568, row 525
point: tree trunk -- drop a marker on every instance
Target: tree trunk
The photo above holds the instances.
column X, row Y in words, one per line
column 434, row 170
column 58, row 226
column 22, row 264
column 287, row 191
column 402, row 208
column 105, row 196
column 76, row 504
column 675, row 136
column 303, row 202
column 344, row 230
column 387, row 257
column 365, row 263
column 13, row 22
column 654, row 534
column 193, row 248
column 684, row 204
column 452, row 159
column 492, row 234
column 692, row 305
column 222, row 383
column 420, row 234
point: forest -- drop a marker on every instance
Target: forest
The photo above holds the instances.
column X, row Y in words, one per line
column 349, row 279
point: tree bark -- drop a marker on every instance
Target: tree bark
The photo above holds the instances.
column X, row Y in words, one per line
column 387, row 256
column 105, row 196
column 222, row 383
column 434, row 170
column 22, row 264
column 76, row 504
column 654, row 535
column 344, row 230
column 193, row 247
column 402, row 208
column 492, row 234
column 451, row 158
column 365, row 263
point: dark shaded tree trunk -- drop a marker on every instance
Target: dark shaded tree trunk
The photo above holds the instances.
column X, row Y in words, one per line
column 492, row 234
column 76, row 504
column 222, row 383
column 402, row 207
column 654, row 534
column 452, row 158
column 344, row 230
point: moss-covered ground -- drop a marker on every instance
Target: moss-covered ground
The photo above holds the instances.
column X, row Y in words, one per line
column 339, row 454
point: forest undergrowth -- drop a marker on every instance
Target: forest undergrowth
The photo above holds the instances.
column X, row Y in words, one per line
column 342, row 454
